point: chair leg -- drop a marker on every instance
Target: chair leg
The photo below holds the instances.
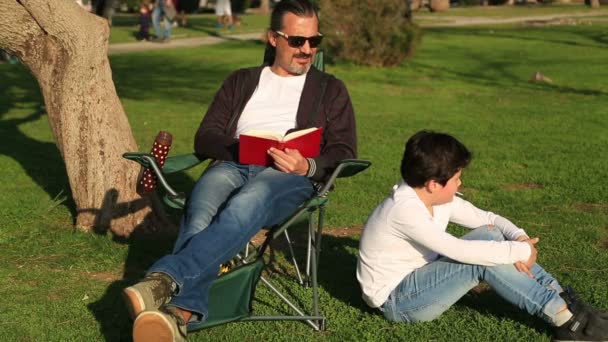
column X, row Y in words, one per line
column 291, row 305
column 311, row 230
column 315, row 255
column 293, row 257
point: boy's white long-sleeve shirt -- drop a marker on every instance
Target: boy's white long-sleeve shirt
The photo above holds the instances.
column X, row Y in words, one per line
column 401, row 235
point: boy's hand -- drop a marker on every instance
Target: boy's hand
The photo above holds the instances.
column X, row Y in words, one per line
column 290, row 161
column 525, row 266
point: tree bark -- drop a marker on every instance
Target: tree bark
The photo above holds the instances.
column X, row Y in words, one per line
column 66, row 48
column 265, row 6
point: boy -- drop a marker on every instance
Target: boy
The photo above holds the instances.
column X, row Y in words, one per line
column 413, row 270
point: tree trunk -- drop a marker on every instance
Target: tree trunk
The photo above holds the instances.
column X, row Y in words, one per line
column 65, row 48
column 439, row 5
column 265, row 6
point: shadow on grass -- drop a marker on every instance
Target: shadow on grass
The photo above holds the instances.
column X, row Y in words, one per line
column 494, row 71
column 110, row 310
column 487, row 302
column 337, row 265
column 40, row 160
column 144, row 249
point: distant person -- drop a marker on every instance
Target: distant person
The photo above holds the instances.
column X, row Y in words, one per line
column 412, row 270
column 182, row 7
column 163, row 32
column 223, row 12
column 145, row 19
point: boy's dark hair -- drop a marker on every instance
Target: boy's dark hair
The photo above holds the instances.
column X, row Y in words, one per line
column 301, row 8
column 432, row 156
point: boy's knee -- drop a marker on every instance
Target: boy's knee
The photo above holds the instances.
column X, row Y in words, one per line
column 489, row 232
column 493, row 232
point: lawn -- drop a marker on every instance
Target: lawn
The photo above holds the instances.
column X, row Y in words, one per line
column 539, row 159
column 126, row 26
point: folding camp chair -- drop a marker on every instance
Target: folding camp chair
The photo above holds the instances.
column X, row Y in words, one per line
column 232, row 293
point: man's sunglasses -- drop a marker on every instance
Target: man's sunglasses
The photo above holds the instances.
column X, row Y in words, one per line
column 299, row 41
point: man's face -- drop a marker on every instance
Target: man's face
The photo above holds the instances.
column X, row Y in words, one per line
column 293, row 61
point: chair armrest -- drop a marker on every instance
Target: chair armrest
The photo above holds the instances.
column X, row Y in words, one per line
column 346, row 168
column 173, row 164
column 181, row 163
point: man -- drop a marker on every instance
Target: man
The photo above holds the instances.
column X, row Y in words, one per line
column 232, row 201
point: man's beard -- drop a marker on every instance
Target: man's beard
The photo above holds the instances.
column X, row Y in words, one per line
column 298, row 69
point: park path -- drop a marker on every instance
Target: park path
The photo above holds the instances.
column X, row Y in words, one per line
column 456, row 21
column 116, row 49
column 441, row 21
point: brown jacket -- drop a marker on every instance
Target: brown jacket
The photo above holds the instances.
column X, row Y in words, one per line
column 215, row 136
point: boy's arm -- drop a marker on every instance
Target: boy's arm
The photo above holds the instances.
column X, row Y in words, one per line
column 423, row 231
column 466, row 214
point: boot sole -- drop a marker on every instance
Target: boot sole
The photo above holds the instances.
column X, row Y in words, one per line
column 152, row 326
column 135, row 303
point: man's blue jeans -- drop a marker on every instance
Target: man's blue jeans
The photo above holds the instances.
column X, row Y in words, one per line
column 157, row 13
column 229, row 204
column 427, row 292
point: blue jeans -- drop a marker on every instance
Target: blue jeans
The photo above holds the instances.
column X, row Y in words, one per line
column 229, row 204
column 157, row 13
column 427, row 292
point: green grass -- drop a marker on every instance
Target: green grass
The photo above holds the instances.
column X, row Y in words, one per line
column 539, row 159
column 126, row 26
column 507, row 11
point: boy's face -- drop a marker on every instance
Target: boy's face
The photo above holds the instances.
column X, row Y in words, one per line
column 445, row 193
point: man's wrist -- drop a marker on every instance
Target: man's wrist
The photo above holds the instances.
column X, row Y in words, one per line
column 312, row 167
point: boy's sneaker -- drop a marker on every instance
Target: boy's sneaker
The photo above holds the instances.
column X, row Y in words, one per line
column 149, row 294
column 583, row 326
column 586, row 324
column 575, row 303
column 163, row 325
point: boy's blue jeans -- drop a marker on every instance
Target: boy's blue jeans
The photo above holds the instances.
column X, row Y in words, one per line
column 427, row 292
column 230, row 203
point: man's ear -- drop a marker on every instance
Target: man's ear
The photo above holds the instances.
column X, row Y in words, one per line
column 272, row 38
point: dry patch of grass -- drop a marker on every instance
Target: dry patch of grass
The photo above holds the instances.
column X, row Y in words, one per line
column 106, row 277
column 591, row 207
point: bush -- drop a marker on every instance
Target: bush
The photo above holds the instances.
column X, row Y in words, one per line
column 369, row 32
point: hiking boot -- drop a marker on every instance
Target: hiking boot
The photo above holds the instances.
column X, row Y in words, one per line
column 163, row 325
column 583, row 326
column 149, row 294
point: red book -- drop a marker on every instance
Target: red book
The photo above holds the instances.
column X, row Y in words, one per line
column 253, row 145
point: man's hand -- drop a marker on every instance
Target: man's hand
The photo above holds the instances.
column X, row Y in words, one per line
column 525, row 266
column 290, row 161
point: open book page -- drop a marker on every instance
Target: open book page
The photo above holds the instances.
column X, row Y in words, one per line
column 254, row 146
column 299, row 133
column 264, row 134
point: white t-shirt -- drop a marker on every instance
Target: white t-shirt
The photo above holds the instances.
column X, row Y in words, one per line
column 401, row 235
column 273, row 105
